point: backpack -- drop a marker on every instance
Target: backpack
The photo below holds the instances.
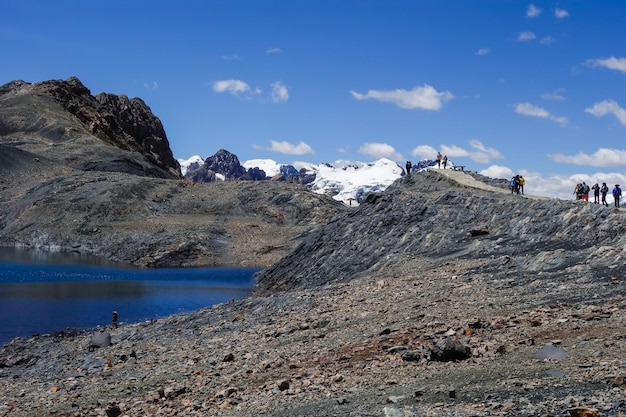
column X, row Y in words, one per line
column 585, row 189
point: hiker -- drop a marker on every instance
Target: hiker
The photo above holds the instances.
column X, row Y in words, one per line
column 522, row 181
column 596, row 193
column 408, row 168
column 512, row 184
column 603, row 190
column 578, row 190
column 585, row 192
column 439, row 159
column 617, row 194
column 445, row 161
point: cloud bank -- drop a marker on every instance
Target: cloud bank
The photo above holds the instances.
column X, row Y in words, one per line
column 528, row 109
column 424, row 98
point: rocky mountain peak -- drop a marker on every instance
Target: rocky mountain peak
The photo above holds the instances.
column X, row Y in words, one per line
column 35, row 115
column 227, row 165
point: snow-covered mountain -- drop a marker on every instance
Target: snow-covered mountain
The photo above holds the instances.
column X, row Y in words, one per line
column 348, row 182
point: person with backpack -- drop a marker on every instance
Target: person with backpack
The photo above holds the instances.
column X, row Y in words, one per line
column 596, row 193
column 578, row 190
column 585, row 191
column 603, row 190
column 512, row 183
column 521, row 181
column 617, row 195
column 445, row 161
column 409, row 165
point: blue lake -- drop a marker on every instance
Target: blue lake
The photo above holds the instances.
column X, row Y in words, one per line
column 46, row 293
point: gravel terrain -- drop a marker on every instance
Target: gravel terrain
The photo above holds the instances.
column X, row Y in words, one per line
column 433, row 298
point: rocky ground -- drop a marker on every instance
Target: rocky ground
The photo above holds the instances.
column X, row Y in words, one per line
column 159, row 222
column 434, row 298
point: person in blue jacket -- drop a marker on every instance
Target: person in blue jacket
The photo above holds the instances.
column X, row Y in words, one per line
column 617, row 194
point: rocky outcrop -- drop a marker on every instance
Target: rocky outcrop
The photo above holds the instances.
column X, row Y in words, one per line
column 423, row 214
column 63, row 121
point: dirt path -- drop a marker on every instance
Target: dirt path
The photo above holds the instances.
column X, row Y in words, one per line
column 467, row 180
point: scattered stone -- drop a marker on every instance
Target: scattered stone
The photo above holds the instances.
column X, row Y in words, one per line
column 113, row 410
column 283, row 384
column 411, row 356
column 550, row 351
column 446, row 350
column 100, row 339
column 583, row 412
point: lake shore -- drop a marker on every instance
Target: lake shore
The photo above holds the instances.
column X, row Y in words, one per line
column 361, row 348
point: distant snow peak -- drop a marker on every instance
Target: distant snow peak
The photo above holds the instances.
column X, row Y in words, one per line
column 186, row 163
column 346, row 181
column 350, row 182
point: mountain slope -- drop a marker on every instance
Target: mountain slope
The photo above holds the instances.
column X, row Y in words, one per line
column 422, row 215
column 95, row 174
column 63, row 121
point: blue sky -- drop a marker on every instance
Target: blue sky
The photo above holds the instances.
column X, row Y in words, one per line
column 503, row 87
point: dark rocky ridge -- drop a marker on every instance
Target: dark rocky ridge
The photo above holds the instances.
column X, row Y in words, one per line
column 62, row 120
column 423, row 215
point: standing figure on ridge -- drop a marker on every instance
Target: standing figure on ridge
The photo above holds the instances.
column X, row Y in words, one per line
column 439, row 159
column 617, row 194
column 578, row 190
column 585, row 191
column 445, row 161
column 409, row 165
column 522, row 181
column 596, row 193
column 604, row 189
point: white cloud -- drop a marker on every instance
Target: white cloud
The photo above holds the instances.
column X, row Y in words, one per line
column 380, row 150
column 603, row 157
column 533, row 11
column 273, row 51
column 528, row 109
column 279, row 92
column 557, row 95
column 482, row 51
column 288, row 148
column 477, row 152
column 153, row 86
column 480, row 153
column 425, row 98
column 561, row 13
column 497, row 171
column 608, row 107
column 424, row 152
column 526, row 36
column 548, row 40
column 233, row 87
column 231, row 57
column 613, row 63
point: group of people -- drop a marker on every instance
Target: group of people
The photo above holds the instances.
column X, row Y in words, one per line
column 517, row 184
column 582, row 193
column 442, row 160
